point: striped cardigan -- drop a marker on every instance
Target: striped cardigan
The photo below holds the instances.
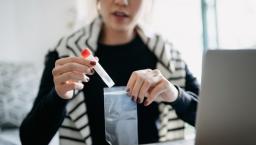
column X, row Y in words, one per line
column 169, row 63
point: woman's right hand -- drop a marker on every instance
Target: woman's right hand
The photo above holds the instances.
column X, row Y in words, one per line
column 69, row 73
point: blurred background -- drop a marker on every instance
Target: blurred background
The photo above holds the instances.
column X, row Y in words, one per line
column 29, row 28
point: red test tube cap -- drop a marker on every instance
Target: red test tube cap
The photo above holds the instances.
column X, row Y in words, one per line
column 86, row 53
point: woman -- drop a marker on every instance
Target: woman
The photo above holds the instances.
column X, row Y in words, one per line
column 70, row 99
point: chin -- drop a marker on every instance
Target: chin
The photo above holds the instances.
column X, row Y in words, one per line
column 121, row 27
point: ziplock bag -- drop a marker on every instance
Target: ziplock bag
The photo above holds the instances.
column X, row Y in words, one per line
column 121, row 125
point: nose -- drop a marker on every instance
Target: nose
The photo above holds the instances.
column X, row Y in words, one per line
column 122, row 2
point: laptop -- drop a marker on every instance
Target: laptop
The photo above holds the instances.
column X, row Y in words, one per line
column 227, row 102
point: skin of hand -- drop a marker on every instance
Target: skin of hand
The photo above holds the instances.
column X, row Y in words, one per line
column 150, row 85
column 69, row 74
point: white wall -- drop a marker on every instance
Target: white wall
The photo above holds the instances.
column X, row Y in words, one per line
column 28, row 28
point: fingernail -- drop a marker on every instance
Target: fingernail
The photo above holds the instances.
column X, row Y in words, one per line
column 128, row 92
column 139, row 101
column 92, row 71
column 146, row 103
column 92, row 63
column 86, row 79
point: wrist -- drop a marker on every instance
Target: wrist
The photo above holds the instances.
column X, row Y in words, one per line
column 173, row 93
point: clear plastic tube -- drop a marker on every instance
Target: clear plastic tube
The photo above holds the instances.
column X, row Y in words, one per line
column 98, row 68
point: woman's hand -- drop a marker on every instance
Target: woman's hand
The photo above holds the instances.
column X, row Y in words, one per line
column 69, row 73
column 152, row 85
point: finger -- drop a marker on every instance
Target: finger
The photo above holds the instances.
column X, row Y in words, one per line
column 66, row 90
column 73, row 86
column 131, row 83
column 86, row 78
column 74, row 76
column 78, row 60
column 136, row 89
column 156, row 72
column 92, row 71
column 152, row 78
column 144, row 89
column 157, row 90
column 70, row 67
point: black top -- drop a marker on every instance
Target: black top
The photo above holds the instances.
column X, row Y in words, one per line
column 120, row 61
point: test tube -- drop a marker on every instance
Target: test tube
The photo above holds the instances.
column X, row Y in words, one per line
column 86, row 54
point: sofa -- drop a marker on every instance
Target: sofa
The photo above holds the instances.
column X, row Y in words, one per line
column 18, row 88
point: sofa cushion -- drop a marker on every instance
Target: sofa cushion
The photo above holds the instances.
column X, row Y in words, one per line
column 18, row 87
column 10, row 137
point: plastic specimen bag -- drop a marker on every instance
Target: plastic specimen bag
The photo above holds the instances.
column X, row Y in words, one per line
column 121, row 125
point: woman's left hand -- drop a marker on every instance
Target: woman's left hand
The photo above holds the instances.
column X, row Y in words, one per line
column 152, row 85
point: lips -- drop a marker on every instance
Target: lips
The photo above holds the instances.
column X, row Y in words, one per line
column 120, row 14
